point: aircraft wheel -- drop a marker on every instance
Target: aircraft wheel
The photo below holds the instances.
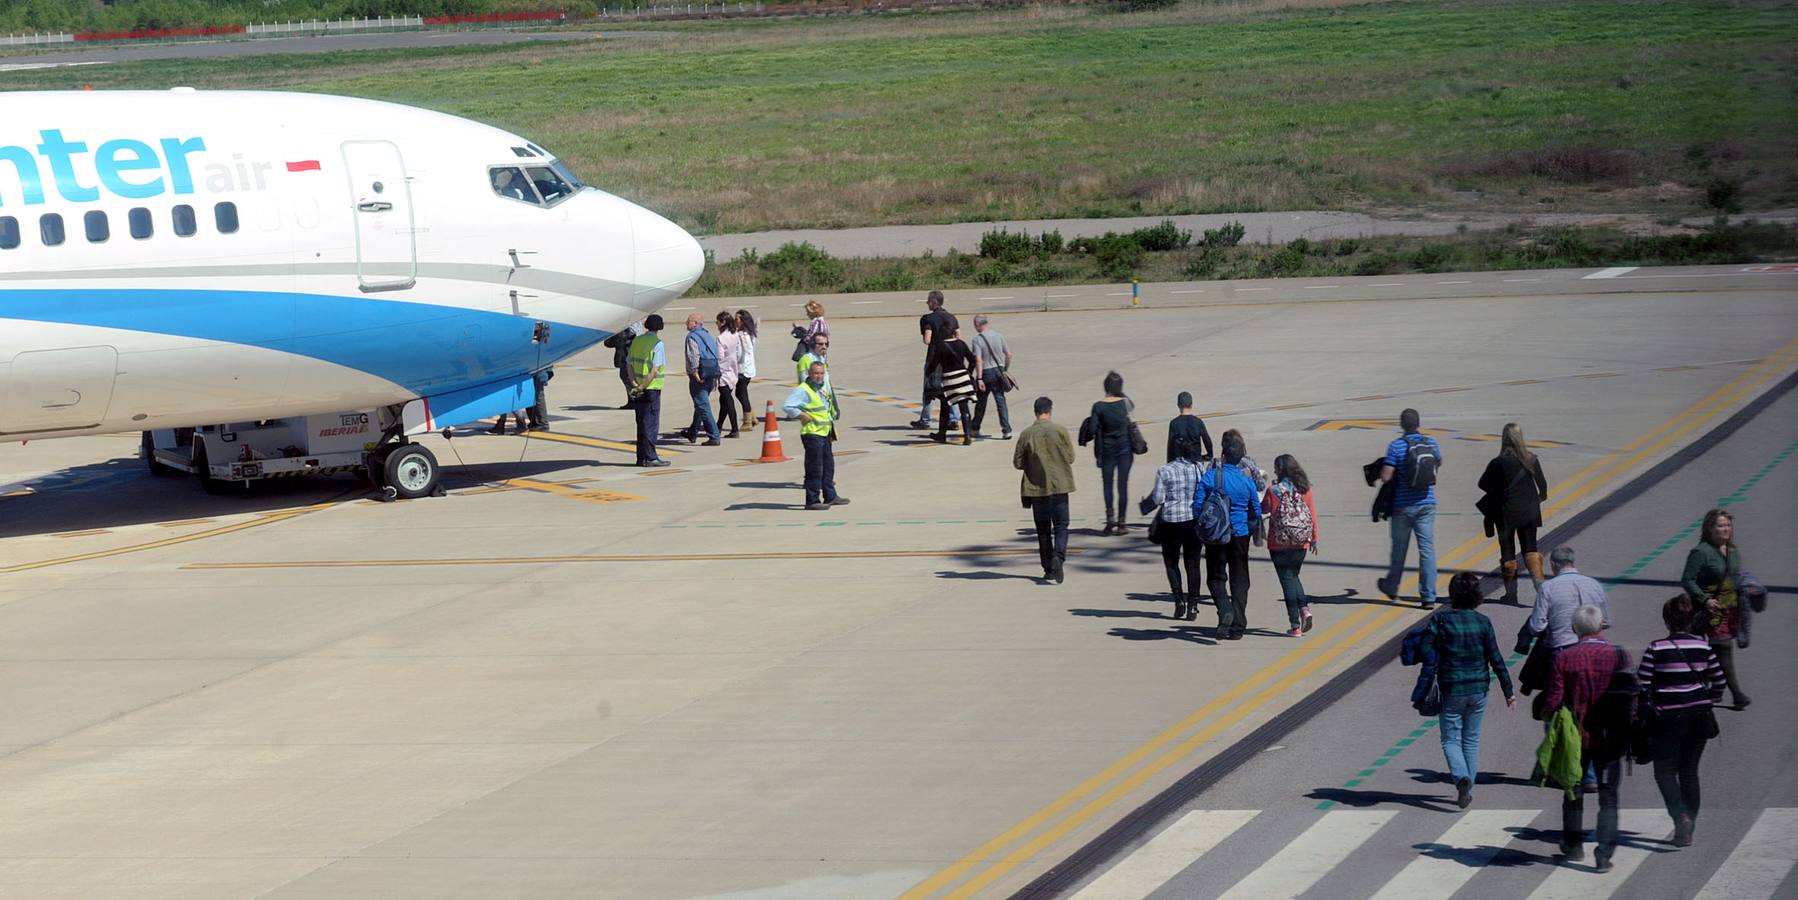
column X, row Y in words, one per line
column 216, row 486
column 149, row 453
column 411, row 471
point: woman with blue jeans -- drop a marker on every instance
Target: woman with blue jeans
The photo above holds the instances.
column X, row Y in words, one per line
column 1464, row 655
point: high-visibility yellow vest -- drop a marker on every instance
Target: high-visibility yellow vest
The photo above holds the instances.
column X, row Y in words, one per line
column 815, row 404
column 642, row 361
column 805, row 365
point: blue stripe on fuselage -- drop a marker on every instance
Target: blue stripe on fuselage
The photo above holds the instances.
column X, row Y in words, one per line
column 426, row 349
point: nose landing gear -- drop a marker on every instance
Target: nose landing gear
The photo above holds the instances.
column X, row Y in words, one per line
column 405, row 471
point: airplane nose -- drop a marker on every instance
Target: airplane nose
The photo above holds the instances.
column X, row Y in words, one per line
column 669, row 260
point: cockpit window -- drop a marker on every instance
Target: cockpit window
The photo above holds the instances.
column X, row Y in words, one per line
column 567, row 174
column 510, row 183
column 550, row 184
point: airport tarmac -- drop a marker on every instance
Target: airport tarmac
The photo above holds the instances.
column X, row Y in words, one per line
column 572, row 677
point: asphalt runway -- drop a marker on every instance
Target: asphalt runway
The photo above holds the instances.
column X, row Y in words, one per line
column 572, row 677
column 1361, row 780
column 228, row 49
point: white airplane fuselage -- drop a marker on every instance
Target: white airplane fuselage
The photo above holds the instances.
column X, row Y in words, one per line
column 174, row 259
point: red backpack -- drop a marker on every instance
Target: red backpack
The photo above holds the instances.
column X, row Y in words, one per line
column 1293, row 524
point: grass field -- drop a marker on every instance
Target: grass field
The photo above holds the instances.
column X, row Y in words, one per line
column 1666, row 107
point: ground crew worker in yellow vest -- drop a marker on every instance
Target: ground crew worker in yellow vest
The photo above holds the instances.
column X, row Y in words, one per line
column 814, row 404
column 648, row 359
column 820, row 353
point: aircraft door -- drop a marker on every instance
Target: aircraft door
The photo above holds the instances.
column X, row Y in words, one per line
column 52, row 390
column 386, row 251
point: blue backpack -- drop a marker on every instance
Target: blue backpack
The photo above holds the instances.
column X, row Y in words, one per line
column 710, row 370
column 1212, row 518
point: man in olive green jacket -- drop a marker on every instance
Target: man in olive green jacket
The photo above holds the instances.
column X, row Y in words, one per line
column 1045, row 454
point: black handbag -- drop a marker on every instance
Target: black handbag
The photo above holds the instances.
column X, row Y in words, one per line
column 1138, row 445
column 1431, row 704
column 1157, row 529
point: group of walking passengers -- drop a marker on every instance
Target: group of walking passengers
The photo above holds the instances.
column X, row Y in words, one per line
column 1597, row 707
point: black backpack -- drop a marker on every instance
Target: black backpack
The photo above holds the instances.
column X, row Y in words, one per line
column 1612, row 720
column 1421, row 460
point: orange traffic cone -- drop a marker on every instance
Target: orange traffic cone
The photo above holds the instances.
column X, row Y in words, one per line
column 771, row 449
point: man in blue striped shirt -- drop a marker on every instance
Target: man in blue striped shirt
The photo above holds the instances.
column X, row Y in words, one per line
column 1413, row 506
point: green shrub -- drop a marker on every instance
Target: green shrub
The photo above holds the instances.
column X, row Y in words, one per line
column 1146, row 5
column 1161, row 238
column 1007, row 247
column 1228, row 236
column 1300, row 246
column 1204, row 263
column 959, row 265
column 891, row 278
column 1433, row 258
column 799, row 267
column 1048, row 243
column 1568, row 246
column 1117, row 257
column 993, row 273
column 1377, row 264
column 1281, row 263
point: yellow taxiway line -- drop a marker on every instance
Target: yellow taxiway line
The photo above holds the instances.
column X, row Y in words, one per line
column 989, row 862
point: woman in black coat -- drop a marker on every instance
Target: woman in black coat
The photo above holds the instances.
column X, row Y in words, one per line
column 1514, row 489
column 954, row 363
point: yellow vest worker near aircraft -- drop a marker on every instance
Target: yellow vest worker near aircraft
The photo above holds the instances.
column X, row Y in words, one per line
column 814, row 404
column 648, row 360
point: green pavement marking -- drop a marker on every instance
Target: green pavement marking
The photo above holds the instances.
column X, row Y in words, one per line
column 831, row 524
column 708, row 526
column 1739, row 495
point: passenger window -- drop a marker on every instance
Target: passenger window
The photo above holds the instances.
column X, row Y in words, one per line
column 225, row 216
column 184, row 221
column 98, row 229
column 142, row 225
column 50, row 228
column 549, row 184
column 9, row 233
column 511, row 184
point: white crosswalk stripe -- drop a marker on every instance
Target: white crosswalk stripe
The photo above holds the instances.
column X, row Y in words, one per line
column 1758, row 866
column 1309, row 857
column 1476, row 837
column 1760, row 862
column 1175, row 848
column 1581, row 883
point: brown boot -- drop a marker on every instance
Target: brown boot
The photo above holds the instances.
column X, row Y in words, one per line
column 1510, row 573
column 1533, row 561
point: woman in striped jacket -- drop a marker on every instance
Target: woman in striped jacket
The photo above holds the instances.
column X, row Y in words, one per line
column 955, row 362
column 1680, row 679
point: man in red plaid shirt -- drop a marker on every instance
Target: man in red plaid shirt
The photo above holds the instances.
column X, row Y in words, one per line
column 1583, row 673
